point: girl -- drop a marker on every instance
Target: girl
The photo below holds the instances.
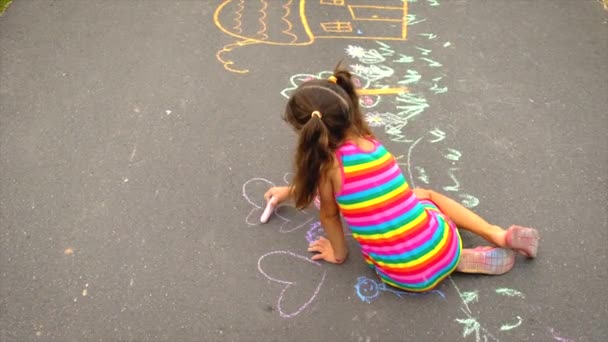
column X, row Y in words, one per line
column 408, row 236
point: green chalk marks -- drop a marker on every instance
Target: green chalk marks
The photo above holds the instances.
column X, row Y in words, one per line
column 433, row 3
column 404, row 59
column 413, row 105
column 423, row 51
column 413, row 20
column 385, row 50
column 439, row 134
column 447, row 44
column 509, row 292
column 453, row 155
column 506, row 327
column 412, row 76
column 470, row 326
column 428, row 35
column 438, row 90
column 432, row 63
column 469, row 297
column 423, row 177
column 469, row 201
column 456, row 185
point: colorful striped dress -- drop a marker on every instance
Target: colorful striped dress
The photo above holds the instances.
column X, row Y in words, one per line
column 408, row 242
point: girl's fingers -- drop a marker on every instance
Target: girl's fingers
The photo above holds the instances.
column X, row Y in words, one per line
column 316, row 249
column 268, row 194
column 317, row 257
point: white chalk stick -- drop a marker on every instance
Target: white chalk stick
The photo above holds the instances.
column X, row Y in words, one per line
column 268, row 211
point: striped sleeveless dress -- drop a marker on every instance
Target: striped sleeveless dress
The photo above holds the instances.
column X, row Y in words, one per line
column 408, row 242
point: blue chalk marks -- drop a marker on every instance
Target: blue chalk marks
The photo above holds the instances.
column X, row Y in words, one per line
column 368, row 290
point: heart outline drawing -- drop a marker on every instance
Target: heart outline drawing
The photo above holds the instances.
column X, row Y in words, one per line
column 289, row 284
column 252, row 218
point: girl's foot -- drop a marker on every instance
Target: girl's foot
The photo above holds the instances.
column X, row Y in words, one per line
column 486, row 260
column 522, row 239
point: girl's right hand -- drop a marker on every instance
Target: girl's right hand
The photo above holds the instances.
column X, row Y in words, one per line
column 279, row 194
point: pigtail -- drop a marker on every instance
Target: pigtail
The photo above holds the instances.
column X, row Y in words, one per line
column 344, row 79
column 313, row 159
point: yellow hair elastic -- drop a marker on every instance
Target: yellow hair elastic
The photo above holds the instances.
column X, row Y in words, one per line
column 332, row 79
column 316, row 113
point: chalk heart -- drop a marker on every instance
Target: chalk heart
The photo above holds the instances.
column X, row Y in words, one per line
column 294, row 218
column 253, row 191
column 301, row 278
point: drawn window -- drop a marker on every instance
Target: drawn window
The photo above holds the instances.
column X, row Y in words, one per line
column 337, row 26
column 376, row 13
column 333, row 2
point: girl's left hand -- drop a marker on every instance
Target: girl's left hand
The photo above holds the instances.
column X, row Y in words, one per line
column 325, row 251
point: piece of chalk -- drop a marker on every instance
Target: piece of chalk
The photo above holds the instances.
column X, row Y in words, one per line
column 268, row 211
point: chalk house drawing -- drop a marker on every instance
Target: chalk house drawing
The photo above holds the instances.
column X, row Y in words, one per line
column 291, row 23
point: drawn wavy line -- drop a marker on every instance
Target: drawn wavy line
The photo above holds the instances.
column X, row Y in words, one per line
column 237, row 19
column 262, row 31
column 285, row 20
column 229, row 47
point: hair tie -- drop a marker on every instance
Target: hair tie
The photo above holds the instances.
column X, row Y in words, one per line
column 332, row 79
column 316, row 113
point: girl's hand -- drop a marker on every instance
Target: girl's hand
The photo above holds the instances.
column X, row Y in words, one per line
column 325, row 250
column 278, row 193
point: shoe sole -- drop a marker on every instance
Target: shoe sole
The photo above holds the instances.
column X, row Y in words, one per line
column 524, row 240
column 493, row 261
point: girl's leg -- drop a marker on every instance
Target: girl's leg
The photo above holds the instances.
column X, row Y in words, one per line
column 524, row 240
column 464, row 218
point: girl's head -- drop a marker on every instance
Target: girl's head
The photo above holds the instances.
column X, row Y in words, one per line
column 323, row 112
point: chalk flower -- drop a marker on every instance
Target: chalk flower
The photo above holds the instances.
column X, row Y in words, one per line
column 374, row 119
column 355, row 51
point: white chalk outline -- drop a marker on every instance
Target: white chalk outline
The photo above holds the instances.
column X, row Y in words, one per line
column 289, row 283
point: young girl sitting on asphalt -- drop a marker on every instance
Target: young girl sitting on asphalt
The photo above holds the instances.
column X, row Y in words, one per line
column 408, row 236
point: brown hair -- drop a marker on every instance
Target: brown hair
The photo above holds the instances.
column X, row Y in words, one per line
column 320, row 135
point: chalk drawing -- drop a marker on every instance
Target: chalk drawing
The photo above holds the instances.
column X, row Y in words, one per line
column 404, row 59
column 428, row 35
column 510, row 292
column 368, row 290
column 253, row 217
column 388, row 21
column 288, row 284
column 506, row 327
column 291, row 219
column 456, row 185
column 557, row 337
column 469, row 297
column 377, row 69
column 315, row 232
column 470, row 324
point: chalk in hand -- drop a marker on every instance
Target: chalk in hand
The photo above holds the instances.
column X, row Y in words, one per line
column 268, row 211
